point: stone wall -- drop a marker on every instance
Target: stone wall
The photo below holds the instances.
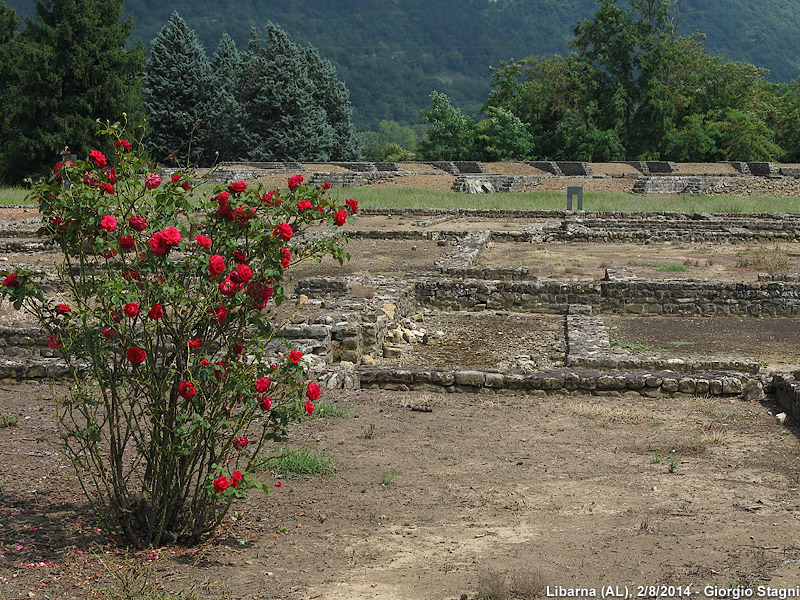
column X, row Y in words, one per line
column 684, row 297
column 649, row 384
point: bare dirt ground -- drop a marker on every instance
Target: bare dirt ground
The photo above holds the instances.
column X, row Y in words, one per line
column 564, row 490
column 488, row 339
column 772, row 341
column 714, row 262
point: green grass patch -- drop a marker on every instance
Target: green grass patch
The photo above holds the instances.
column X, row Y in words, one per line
column 331, row 410
column 9, row 421
column 670, row 267
column 15, row 195
column 550, row 200
column 297, row 462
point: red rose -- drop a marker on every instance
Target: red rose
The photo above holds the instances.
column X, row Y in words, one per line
column 158, row 245
column 108, row 223
column 53, row 341
column 227, row 287
column 11, row 280
column 304, row 205
column 137, row 223
column 340, row 218
column 186, row 390
column 136, row 355
column 278, row 484
column 109, row 253
column 126, row 242
column 176, row 177
column 98, row 158
column 243, row 214
column 63, row 309
column 131, row 309
column 286, row 256
column 108, row 332
column 240, row 443
column 171, row 236
column 262, row 384
column 326, row 186
column 216, row 265
column 156, row 312
column 107, row 188
column 237, row 349
column 266, row 403
column 352, row 205
column 295, row 181
column 237, row 187
column 111, row 174
column 220, row 315
column 205, row 362
column 124, row 144
column 186, row 186
column 271, row 198
column 308, row 407
column 221, row 484
column 242, row 274
column 195, row 343
column 295, row 356
column 152, row 181
column 130, row 274
column 313, row 392
column 239, row 257
column 284, row 231
column 203, row 241
column 236, row 477
column 222, row 198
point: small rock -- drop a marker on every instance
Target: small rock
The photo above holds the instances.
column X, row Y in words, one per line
column 413, row 248
column 780, row 418
column 389, row 309
column 391, row 351
column 753, row 390
column 302, row 299
column 367, row 360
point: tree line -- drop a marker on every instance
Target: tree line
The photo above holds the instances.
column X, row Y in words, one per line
column 633, row 88
column 68, row 68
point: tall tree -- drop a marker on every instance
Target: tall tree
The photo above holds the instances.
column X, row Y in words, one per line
column 333, row 97
column 451, row 135
column 283, row 121
column 177, row 94
column 72, row 69
column 226, row 132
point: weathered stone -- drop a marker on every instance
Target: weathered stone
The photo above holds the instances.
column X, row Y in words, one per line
column 472, row 378
column 687, row 385
column 669, row 384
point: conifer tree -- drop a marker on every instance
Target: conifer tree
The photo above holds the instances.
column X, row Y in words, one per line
column 282, row 120
column 177, row 92
column 226, row 114
column 333, row 97
column 69, row 68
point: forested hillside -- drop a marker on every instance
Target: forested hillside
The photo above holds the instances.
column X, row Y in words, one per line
column 392, row 53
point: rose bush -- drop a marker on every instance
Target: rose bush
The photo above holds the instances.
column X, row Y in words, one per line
column 169, row 330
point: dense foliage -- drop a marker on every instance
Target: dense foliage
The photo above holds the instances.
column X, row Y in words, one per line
column 633, row 89
column 392, row 54
column 165, row 315
column 64, row 70
column 275, row 102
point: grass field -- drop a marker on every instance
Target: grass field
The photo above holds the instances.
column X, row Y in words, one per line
column 415, row 198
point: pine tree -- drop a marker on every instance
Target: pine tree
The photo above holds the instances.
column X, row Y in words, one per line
column 177, row 93
column 226, row 129
column 333, row 97
column 69, row 69
column 282, row 120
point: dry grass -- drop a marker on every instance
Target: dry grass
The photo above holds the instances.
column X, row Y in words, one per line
column 519, row 585
column 769, row 260
column 606, row 413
